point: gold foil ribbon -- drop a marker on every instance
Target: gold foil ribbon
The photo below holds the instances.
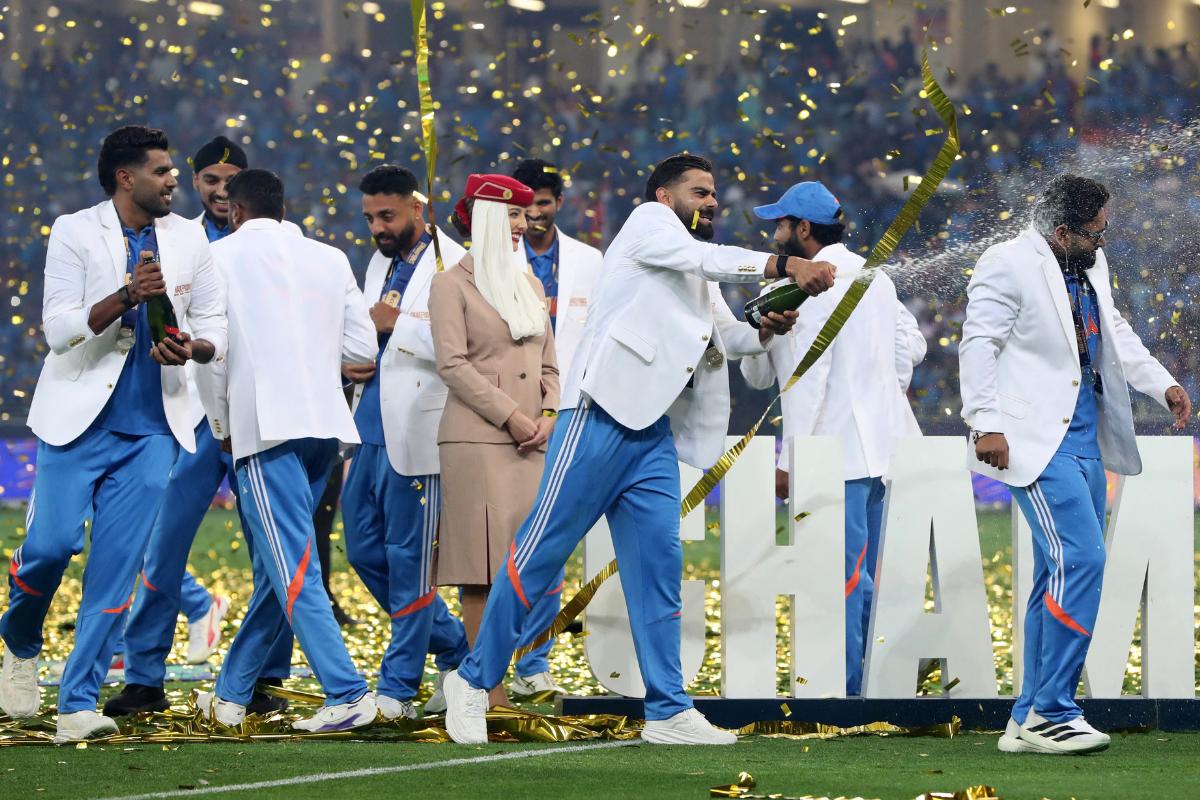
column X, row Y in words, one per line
column 428, row 129
column 883, row 250
column 745, row 785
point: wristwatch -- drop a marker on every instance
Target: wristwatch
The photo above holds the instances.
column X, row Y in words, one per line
column 977, row 435
column 123, row 293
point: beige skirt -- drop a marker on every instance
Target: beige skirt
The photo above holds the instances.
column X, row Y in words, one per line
column 487, row 491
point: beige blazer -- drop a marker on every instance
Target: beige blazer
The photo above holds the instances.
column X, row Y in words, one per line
column 488, row 374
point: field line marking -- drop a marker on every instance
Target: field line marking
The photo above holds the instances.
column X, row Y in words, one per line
column 371, row 771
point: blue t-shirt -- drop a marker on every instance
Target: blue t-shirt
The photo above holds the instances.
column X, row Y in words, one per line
column 368, row 417
column 1081, row 433
column 213, row 231
column 545, row 267
column 136, row 405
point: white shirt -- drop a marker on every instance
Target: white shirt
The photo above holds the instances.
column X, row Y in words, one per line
column 856, row 390
column 295, row 316
column 653, row 315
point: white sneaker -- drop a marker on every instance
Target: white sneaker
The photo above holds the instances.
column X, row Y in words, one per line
column 1072, row 736
column 342, row 717
column 686, row 727
column 204, row 635
column 535, row 685
column 436, row 704
column 82, row 725
column 20, row 695
column 1011, row 741
column 224, row 712
column 466, row 708
column 391, row 708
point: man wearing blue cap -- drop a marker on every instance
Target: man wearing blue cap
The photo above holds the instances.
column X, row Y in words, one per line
column 855, row 391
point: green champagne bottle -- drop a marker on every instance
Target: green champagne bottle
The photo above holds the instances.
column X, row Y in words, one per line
column 787, row 297
column 159, row 312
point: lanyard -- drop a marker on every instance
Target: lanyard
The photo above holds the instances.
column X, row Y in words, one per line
column 1083, row 286
column 390, row 293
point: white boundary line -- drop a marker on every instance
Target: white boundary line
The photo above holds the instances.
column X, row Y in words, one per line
column 372, row 771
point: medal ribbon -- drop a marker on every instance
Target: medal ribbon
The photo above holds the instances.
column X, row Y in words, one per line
column 391, row 283
column 880, row 253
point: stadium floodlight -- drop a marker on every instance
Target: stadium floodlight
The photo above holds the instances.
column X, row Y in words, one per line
column 207, row 9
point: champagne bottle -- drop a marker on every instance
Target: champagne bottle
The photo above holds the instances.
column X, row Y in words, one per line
column 159, row 311
column 786, row 297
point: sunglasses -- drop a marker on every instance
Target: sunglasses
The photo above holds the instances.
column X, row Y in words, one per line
column 1095, row 236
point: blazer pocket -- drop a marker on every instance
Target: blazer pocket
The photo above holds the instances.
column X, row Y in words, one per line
column 433, row 401
column 1013, row 406
column 642, row 348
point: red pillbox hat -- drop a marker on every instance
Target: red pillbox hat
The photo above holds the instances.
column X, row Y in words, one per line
column 497, row 188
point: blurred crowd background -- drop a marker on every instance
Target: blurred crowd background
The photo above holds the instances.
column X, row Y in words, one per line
column 320, row 92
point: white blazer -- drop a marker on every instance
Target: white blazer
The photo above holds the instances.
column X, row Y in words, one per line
column 653, row 315
column 856, row 389
column 411, row 395
column 86, row 262
column 578, row 271
column 1019, row 361
column 196, row 407
column 295, row 316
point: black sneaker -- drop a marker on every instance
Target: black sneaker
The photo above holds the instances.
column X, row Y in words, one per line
column 263, row 703
column 135, row 698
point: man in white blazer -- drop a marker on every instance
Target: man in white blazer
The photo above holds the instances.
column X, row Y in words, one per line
column 853, row 392
column 167, row 588
column 569, row 271
column 390, row 500
column 296, row 316
column 647, row 389
column 109, row 411
column 1044, row 364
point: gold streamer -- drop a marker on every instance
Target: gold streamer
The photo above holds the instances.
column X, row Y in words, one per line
column 879, row 254
column 428, row 130
column 745, row 785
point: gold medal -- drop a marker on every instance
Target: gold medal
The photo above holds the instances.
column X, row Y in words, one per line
column 392, row 298
column 714, row 357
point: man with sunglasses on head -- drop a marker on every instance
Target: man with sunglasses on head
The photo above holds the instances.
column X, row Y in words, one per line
column 1045, row 365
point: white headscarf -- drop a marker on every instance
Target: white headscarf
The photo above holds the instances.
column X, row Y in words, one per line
column 500, row 272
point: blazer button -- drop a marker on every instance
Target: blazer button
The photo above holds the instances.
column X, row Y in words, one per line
column 110, row 386
column 522, row 376
column 689, row 369
column 1066, row 420
column 704, row 338
column 1074, row 383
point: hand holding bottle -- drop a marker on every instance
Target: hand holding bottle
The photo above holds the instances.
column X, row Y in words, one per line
column 147, row 279
column 813, row 277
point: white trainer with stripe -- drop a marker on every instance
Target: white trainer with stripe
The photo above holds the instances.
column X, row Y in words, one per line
column 1072, row 737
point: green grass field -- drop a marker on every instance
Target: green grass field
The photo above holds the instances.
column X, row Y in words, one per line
column 1138, row 765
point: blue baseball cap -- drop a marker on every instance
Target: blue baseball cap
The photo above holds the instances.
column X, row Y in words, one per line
column 809, row 200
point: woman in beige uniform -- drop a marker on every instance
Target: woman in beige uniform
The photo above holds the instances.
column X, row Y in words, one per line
column 495, row 352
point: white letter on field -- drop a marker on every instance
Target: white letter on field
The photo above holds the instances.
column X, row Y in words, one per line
column 929, row 521
column 609, row 643
column 1150, row 560
column 755, row 571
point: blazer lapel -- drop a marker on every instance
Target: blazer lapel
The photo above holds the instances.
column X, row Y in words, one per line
column 1057, row 287
column 566, row 276
column 167, row 254
column 114, row 238
column 426, row 266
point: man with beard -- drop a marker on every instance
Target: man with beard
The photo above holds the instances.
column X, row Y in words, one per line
column 854, row 392
column 110, row 410
column 648, row 388
column 1045, row 365
column 568, row 270
column 166, row 587
column 390, row 501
